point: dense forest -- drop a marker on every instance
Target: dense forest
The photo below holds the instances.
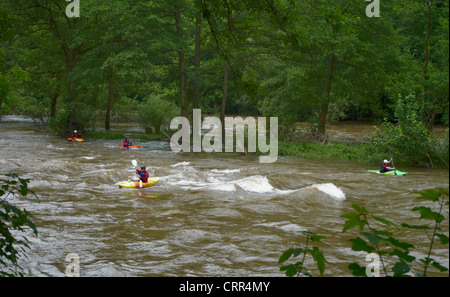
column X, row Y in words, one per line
column 301, row 61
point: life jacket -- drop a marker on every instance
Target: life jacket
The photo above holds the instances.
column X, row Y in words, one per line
column 143, row 176
column 383, row 168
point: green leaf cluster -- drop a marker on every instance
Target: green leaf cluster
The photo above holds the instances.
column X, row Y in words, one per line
column 299, row 268
column 374, row 239
column 13, row 219
column 156, row 112
column 409, row 139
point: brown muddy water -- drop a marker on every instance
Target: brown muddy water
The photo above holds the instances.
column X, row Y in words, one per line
column 209, row 215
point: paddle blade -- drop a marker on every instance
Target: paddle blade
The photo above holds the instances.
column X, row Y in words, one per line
column 134, row 163
column 140, row 184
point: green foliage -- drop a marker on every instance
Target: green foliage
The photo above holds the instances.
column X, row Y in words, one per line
column 13, row 219
column 10, row 77
column 105, row 135
column 363, row 153
column 312, row 61
column 382, row 241
column 156, row 112
column 409, row 139
column 299, row 268
column 85, row 116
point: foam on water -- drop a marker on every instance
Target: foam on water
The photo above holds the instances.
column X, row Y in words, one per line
column 330, row 189
column 180, row 164
column 188, row 177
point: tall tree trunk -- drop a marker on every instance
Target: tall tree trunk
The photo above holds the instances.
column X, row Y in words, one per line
column 226, row 72
column 198, row 30
column 110, row 100
column 53, row 105
column 73, row 121
column 71, row 56
column 182, row 66
column 323, row 113
column 427, row 39
column 223, row 105
column 429, row 119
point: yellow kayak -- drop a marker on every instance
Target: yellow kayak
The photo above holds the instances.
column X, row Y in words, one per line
column 135, row 184
column 76, row 139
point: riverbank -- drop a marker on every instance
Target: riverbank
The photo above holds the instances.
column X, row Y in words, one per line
column 333, row 151
column 346, row 142
column 336, row 151
column 360, row 152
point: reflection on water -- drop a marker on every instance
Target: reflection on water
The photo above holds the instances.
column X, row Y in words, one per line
column 209, row 215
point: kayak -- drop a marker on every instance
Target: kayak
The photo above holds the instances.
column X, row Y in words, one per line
column 131, row 147
column 393, row 172
column 135, row 184
column 76, row 139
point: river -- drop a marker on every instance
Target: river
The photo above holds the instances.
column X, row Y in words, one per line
column 209, row 215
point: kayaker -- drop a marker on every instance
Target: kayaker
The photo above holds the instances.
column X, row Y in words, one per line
column 127, row 143
column 384, row 166
column 76, row 134
column 143, row 175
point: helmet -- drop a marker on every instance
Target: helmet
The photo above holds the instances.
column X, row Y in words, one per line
column 385, row 161
column 75, row 131
column 126, row 137
column 143, row 167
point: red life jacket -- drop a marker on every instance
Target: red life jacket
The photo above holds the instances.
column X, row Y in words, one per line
column 143, row 175
column 383, row 168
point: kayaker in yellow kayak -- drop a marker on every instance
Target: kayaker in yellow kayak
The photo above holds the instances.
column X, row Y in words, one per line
column 75, row 135
column 384, row 166
column 143, row 175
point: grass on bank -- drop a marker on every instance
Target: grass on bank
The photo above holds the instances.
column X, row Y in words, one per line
column 303, row 149
column 362, row 153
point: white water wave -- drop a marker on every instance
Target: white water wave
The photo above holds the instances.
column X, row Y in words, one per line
column 228, row 180
column 226, row 170
column 180, row 164
column 254, row 184
column 329, row 189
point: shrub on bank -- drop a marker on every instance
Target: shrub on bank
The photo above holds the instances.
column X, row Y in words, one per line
column 363, row 153
column 409, row 140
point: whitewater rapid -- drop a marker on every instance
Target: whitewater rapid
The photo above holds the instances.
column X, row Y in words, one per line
column 185, row 176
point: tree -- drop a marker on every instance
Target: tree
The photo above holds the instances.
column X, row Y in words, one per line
column 334, row 49
column 424, row 27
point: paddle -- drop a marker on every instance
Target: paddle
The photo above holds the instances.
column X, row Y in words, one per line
column 135, row 166
column 390, row 155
